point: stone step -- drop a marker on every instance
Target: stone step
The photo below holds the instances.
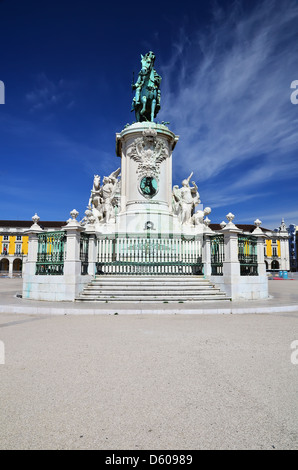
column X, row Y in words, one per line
column 147, row 293
column 148, row 285
column 123, row 281
column 127, row 299
column 144, row 278
column 151, row 277
column 148, row 282
column 150, row 289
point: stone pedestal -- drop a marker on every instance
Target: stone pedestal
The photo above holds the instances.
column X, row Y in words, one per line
column 146, row 150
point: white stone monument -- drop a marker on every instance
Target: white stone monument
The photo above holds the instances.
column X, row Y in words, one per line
column 137, row 223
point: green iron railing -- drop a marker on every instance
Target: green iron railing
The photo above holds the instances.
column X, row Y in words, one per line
column 84, row 249
column 50, row 255
column 149, row 256
column 247, row 255
column 217, row 255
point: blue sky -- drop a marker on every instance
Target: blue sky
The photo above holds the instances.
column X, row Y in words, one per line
column 226, row 69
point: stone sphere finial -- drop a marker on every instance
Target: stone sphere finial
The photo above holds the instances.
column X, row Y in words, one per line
column 35, row 219
column 230, row 217
column 258, row 223
column 223, row 224
column 74, row 214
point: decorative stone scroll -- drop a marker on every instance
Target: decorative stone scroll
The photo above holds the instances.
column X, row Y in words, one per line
column 149, row 151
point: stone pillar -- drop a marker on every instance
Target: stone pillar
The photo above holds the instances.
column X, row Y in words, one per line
column 284, row 247
column 261, row 258
column 72, row 262
column 284, row 254
column 261, row 285
column 207, row 255
column 30, row 265
column 231, row 265
column 260, row 248
column 10, row 267
column 92, row 250
column 230, row 280
column 206, row 249
column 32, row 233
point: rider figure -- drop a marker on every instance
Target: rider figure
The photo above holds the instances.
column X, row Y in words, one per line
column 152, row 82
column 138, row 87
column 146, row 61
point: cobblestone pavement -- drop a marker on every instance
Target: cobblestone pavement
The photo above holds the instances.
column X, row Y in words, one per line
column 149, row 381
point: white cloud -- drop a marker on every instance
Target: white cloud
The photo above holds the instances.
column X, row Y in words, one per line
column 48, row 93
column 227, row 93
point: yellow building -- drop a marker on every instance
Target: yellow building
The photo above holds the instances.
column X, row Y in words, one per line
column 14, row 244
column 276, row 245
column 272, row 254
column 276, row 249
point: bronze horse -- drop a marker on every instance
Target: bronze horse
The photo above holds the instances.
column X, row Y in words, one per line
column 146, row 102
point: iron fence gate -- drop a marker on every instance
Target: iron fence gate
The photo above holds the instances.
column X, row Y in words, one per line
column 50, row 254
column 247, row 255
column 149, row 256
column 217, row 255
column 84, row 250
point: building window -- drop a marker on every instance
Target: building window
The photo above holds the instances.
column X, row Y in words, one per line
column 18, row 249
column 5, row 237
column 274, row 251
column 5, row 249
column 19, row 238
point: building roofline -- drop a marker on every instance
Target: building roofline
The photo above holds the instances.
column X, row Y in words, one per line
column 245, row 227
column 28, row 223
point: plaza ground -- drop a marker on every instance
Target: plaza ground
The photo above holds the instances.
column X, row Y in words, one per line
column 149, row 381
